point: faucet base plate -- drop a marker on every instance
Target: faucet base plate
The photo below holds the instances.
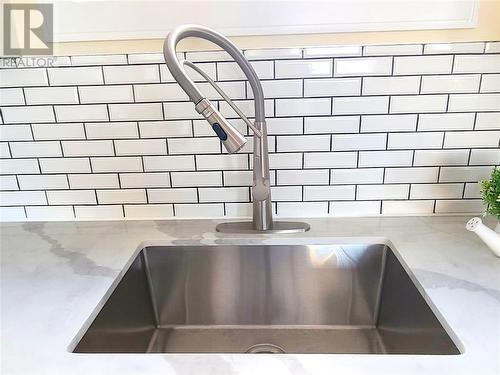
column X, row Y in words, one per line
column 247, row 227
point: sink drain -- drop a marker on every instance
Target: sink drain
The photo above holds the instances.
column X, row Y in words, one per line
column 265, row 349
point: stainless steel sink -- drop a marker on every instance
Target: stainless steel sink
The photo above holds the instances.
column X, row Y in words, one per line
column 267, row 299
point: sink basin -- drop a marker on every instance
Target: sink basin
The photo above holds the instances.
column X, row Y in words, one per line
column 266, row 299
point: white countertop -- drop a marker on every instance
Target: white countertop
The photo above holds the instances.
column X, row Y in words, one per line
column 54, row 275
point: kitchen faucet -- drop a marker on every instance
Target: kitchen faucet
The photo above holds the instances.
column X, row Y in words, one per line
column 231, row 138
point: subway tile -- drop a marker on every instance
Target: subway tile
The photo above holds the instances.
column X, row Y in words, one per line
column 88, row 148
column 107, row 212
column 140, row 147
column 303, row 68
column 208, row 56
column 423, row 65
column 11, row 96
column 462, row 206
column 35, row 149
column 492, row 47
column 172, row 196
column 131, row 74
column 110, row 59
column 330, row 160
column 415, row 140
column 159, row 92
column 149, row 211
column 247, row 107
column 43, row 132
column 348, row 142
column 111, row 130
column 440, row 157
column 302, row 209
column 303, row 143
column 332, row 87
column 144, row 180
column 238, row 210
column 393, row 49
column 490, row 83
column 27, row 114
column 331, row 124
column 243, row 178
column 224, row 194
column 81, row 113
column 418, row 103
column 23, row 77
column 450, row 84
column 65, row 165
column 146, row 58
column 286, row 193
column 445, row 121
column 71, row 197
column 477, row 64
column 117, row 164
column 61, row 60
column 20, row 132
column 22, row 198
column 487, row 121
column 93, row 181
column 302, row 177
column 283, row 88
column 388, row 123
column 12, row 214
column 203, row 210
column 360, row 105
column 385, row 158
column 436, row 191
column 464, row 174
column 416, row 207
column 273, row 53
column 187, row 179
column 121, row 196
column 333, row 51
column 8, row 183
column 50, row 213
column 42, row 182
column 472, row 139
column 135, row 112
column 285, row 161
column 221, row 162
column 208, row 68
column 366, row 66
column 329, row 193
column 365, row 208
column 235, row 90
column 165, row 129
column 230, row 71
column 4, row 150
column 474, row 102
column 51, row 95
column 75, row 76
column 390, row 85
column 287, row 125
column 106, row 94
column 484, row 157
column 169, row 163
column 175, row 111
column 411, row 175
column 194, row 146
column 472, row 190
column 372, row 192
column 357, row 176
column 441, row 48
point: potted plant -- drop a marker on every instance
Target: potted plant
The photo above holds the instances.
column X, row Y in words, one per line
column 490, row 191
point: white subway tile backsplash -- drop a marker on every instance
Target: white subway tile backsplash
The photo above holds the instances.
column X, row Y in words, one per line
column 393, row 49
column 228, row 194
column 436, row 191
column 4, row 150
column 286, row 193
column 357, row 176
column 135, row 112
column 18, row 166
column 43, row 182
column 348, row 142
column 23, row 77
column 247, row 107
column 329, row 193
column 117, row 164
column 477, row 64
column 230, row 71
column 61, row 197
column 175, row 111
column 165, row 129
column 105, row 212
column 27, row 114
column 487, row 121
column 492, row 47
column 105, row 94
column 330, row 160
column 11, row 96
column 81, row 113
column 149, row 211
column 440, row 157
column 464, row 174
column 194, row 145
column 16, row 133
column 285, row 161
column 307, row 107
column 303, row 68
column 75, row 76
column 144, row 180
column 65, row 165
column 452, row 84
column 490, row 83
column 286, row 125
column 372, row 192
column 88, row 148
column 440, row 48
column 8, row 183
column 169, row 163
column 120, row 196
column 388, row 123
column 331, row 124
column 205, row 210
column 283, row 88
column 12, row 214
column 140, row 147
column 159, row 92
column 111, row 130
column 360, row 105
column 93, row 181
column 359, row 208
column 416, row 207
column 184, row 179
column 172, row 195
column 411, row 175
column 51, row 95
column 418, row 103
column 35, row 149
column 406, row 65
column 415, row 140
column 334, row 51
column 131, row 74
column 445, row 121
column 332, row 87
column 303, row 143
column 221, row 162
column 472, row 139
column 22, row 198
column 273, row 53
column 43, row 132
column 368, row 66
column 302, row 209
column 472, row 190
column 474, row 102
column 50, row 213
column 99, row 60
column 385, row 158
column 208, row 68
column 303, row 177
column 484, row 157
column 208, row 56
column 391, row 85
column 455, row 206
column 148, row 58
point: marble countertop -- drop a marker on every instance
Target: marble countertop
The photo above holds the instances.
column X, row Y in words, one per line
column 54, row 274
